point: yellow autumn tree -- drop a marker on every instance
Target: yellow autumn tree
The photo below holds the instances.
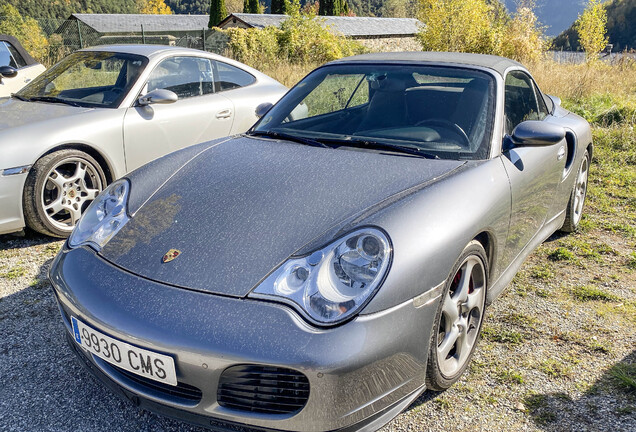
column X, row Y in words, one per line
column 523, row 36
column 592, row 29
column 458, row 25
column 26, row 30
column 155, row 7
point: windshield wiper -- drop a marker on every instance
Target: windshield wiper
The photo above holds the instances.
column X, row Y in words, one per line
column 363, row 143
column 53, row 100
column 290, row 137
column 22, row 98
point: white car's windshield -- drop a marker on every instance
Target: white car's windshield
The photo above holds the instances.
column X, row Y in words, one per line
column 446, row 112
column 87, row 78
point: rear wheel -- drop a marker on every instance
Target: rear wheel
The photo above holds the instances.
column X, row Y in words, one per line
column 459, row 318
column 59, row 188
column 574, row 210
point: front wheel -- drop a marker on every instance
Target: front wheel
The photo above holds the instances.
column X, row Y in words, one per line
column 574, row 210
column 58, row 189
column 459, row 318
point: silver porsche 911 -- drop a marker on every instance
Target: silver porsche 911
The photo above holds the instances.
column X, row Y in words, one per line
column 104, row 111
column 322, row 270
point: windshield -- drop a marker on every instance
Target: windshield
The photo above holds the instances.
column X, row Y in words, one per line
column 443, row 111
column 87, row 78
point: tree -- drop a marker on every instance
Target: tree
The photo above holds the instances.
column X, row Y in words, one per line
column 155, row 7
column 26, row 30
column 278, row 7
column 458, row 25
column 218, row 12
column 251, row 6
column 592, row 29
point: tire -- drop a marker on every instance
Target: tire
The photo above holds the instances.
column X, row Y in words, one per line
column 58, row 189
column 574, row 210
column 459, row 318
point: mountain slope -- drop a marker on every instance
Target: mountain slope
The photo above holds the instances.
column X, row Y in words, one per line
column 621, row 28
column 557, row 15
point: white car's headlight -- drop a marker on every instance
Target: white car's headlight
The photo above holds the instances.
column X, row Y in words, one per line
column 103, row 218
column 334, row 282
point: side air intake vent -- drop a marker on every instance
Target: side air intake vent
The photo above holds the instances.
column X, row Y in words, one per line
column 263, row 389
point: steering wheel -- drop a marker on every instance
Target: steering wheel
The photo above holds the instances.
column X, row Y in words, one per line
column 447, row 124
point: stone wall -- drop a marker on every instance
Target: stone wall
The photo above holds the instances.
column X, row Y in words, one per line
column 217, row 42
column 388, row 44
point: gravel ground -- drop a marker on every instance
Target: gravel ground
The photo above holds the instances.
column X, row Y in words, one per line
column 547, row 360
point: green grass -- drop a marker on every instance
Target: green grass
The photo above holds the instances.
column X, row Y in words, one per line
column 556, row 368
column 624, row 375
column 501, row 335
column 562, row 254
column 591, row 293
column 13, row 273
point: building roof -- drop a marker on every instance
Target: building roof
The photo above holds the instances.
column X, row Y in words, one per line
column 496, row 63
column 347, row 26
column 128, row 23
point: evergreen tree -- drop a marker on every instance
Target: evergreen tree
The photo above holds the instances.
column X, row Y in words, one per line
column 327, row 7
column 252, row 7
column 217, row 12
column 246, row 6
column 278, row 7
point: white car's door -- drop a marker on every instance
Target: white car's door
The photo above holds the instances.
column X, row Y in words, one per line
column 9, row 56
column 199, row 115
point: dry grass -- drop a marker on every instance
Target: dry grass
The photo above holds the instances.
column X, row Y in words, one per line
column 576, row 81
column 286, row 73
column 568, row 81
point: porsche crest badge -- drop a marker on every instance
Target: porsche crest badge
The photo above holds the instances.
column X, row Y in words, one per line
column 170, row 255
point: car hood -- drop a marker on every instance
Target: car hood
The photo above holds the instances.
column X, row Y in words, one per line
column 242, row 207
column 15, row 113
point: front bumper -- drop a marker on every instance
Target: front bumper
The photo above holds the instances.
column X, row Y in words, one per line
column 11, row 187
column 361, row 374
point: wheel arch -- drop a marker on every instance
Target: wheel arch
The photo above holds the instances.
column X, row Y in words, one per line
column 487, row 240
column 92, row 151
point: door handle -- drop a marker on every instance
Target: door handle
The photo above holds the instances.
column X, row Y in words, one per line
column 224, row 114
column 561, row 153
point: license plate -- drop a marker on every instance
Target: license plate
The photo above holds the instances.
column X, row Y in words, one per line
column 139, row 361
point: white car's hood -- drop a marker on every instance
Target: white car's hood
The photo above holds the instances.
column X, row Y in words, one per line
column 15, row 113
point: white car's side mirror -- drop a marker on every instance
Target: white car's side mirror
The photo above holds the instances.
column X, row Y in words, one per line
column 158, row 96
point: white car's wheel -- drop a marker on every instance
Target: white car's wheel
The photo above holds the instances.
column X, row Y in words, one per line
column 59, row 188
column 459, row 318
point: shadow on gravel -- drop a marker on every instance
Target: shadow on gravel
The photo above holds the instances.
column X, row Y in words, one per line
column 30, row 238
column 43, row 387
column 594, row 410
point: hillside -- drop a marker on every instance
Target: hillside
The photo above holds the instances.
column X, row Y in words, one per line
column 47, row 9
column 556, row 15
column 621, row 28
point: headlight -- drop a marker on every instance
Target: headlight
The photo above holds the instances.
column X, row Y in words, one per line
column 335, row 282
column 103, row 218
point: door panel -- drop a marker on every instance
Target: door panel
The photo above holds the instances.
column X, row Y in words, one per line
column 199, row 115
column 534, row 171
column 155, row 130
column 534, row 174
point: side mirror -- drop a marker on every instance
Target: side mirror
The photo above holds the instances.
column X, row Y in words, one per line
column 262, row 109
column 8, row 72
column 158, row 96
column 535, row 133
column 555, row 99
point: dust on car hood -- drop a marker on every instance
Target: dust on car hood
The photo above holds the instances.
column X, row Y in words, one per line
column 242, row 207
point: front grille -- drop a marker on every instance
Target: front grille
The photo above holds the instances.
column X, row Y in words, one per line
column 181, row 393
column 263, row 389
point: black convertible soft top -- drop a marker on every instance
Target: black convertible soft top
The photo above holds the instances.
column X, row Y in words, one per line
column 18, row 46
column 499, row 64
